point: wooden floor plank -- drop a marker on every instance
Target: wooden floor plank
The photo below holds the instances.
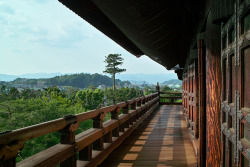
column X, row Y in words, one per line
column 160, row 141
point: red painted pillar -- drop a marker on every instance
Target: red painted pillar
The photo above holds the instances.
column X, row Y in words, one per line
column 213, row 94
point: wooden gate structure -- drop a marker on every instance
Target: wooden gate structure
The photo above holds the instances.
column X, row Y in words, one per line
column 207, row 43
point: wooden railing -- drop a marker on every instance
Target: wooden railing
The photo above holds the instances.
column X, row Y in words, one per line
column 88, row 148
column 172, row 96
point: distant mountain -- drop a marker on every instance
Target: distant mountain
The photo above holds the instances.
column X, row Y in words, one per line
column 139, row 82
column 6, row 77
column 172, row 82
column 39, row 75
column 150, row 78
column 138, row 78
column 81, row 80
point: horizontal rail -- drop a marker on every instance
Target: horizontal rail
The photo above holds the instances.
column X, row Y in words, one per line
column 175, row 97
column 176, row 93
column 87, row 142
column 171, row 98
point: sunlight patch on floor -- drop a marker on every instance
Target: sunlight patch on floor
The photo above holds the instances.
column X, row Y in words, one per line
column 125, row 164
column 146, row 133
column 166, row 154
column 136, row 149
column 143, row 137
column 140, row 142
column 130, row 157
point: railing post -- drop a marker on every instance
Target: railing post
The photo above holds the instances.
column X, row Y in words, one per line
column 146, row 101
column 86, row 153
column 158, row 90
column 133, row 107
column 108, row 138
column 172, row 101
column 97, row 123
column 125, row 110
column 67, row 136
column 139, row 105
column 143, row 103
column 9, row 152
column 114, row 115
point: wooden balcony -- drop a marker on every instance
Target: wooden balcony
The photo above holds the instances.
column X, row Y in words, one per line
column 162, row 140
column 142, row 132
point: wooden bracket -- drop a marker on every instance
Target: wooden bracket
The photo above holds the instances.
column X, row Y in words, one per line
column 67, row 134
column 9, row 151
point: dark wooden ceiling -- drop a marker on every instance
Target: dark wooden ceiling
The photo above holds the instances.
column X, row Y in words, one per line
column 160, row 29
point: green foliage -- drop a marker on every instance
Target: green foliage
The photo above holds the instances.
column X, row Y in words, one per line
column 29, row 107
column 166, row 88
column 90, row 99
column 148, row 90
column 122, row 94
column 14, row 93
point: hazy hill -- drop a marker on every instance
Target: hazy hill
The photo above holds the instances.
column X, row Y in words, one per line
column 139, row 82
column 138, row 78
column 81, row 80
column 6, row 77
column 172, row 81
column 150, row 78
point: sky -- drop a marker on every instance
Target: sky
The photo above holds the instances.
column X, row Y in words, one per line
column 45, row 36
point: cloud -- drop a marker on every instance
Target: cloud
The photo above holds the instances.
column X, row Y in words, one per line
column 69, row 38
column 3, row 20
column 4, row 8
column 40, row 1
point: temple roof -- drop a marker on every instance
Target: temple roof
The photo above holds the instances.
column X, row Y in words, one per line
column 162, row 29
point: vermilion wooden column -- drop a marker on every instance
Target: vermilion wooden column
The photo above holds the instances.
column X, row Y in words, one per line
column 196, row 90
column 213, row 94
column 202, row 110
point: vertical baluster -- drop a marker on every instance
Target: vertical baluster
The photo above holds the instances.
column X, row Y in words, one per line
column 114, row 115
column 125, row 110
column 133, row 107
column 108, row 138
column 140, row 110
column 143, row 103
column 97, row 123
column 172, row 100
column 67, row 136
column 146, row 101
column 86, row 153
column 121, row 126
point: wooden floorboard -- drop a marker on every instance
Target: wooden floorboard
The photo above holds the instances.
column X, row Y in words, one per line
column 160, row 141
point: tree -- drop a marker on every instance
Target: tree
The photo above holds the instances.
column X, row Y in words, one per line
column 90, row 99
column 3, row 89
column 14, row 93
column 166, row 88
column 113, row 61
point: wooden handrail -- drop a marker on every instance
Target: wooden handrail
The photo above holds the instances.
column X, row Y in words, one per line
column 172, row 98
column 100, row 133
column 33, row 131
column 170, row 93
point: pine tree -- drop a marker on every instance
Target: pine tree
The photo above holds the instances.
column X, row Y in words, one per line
column 113, row 61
